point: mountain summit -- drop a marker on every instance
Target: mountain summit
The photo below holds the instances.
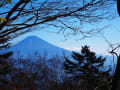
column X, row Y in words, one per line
column 34, row 45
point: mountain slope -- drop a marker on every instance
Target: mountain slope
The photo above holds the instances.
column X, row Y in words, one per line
column 34, row 45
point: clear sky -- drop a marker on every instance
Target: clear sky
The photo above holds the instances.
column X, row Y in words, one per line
column 97, row 43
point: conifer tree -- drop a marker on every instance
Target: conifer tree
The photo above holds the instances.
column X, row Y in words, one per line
column 86, row 66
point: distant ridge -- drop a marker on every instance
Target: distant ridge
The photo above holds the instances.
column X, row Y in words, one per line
column 34, row 45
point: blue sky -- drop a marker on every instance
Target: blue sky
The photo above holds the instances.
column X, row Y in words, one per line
column 96, row 43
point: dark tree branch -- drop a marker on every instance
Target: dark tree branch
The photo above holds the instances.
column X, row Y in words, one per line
column 28, row 13
column 118, row 6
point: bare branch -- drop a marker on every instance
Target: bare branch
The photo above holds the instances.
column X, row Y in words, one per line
column 24, row 14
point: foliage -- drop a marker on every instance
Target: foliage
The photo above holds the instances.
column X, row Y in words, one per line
column 42, row 74
column 87, row 66
column 26, row 74
column 29, row 13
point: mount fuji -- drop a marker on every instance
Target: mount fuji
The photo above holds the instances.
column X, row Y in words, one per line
column 34, row 45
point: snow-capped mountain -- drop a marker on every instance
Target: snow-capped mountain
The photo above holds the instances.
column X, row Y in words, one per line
column 34, row 45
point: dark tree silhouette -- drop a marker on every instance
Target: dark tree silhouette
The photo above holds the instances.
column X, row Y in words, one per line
column 88, row 67
column 118, row 6
column 116, row 76
column 22, row 15
column 5, row 68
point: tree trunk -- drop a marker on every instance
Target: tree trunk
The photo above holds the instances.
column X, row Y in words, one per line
column 118, row 6
column 116, row 77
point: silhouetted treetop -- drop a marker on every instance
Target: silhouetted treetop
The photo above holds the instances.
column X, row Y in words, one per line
column 86, row 66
